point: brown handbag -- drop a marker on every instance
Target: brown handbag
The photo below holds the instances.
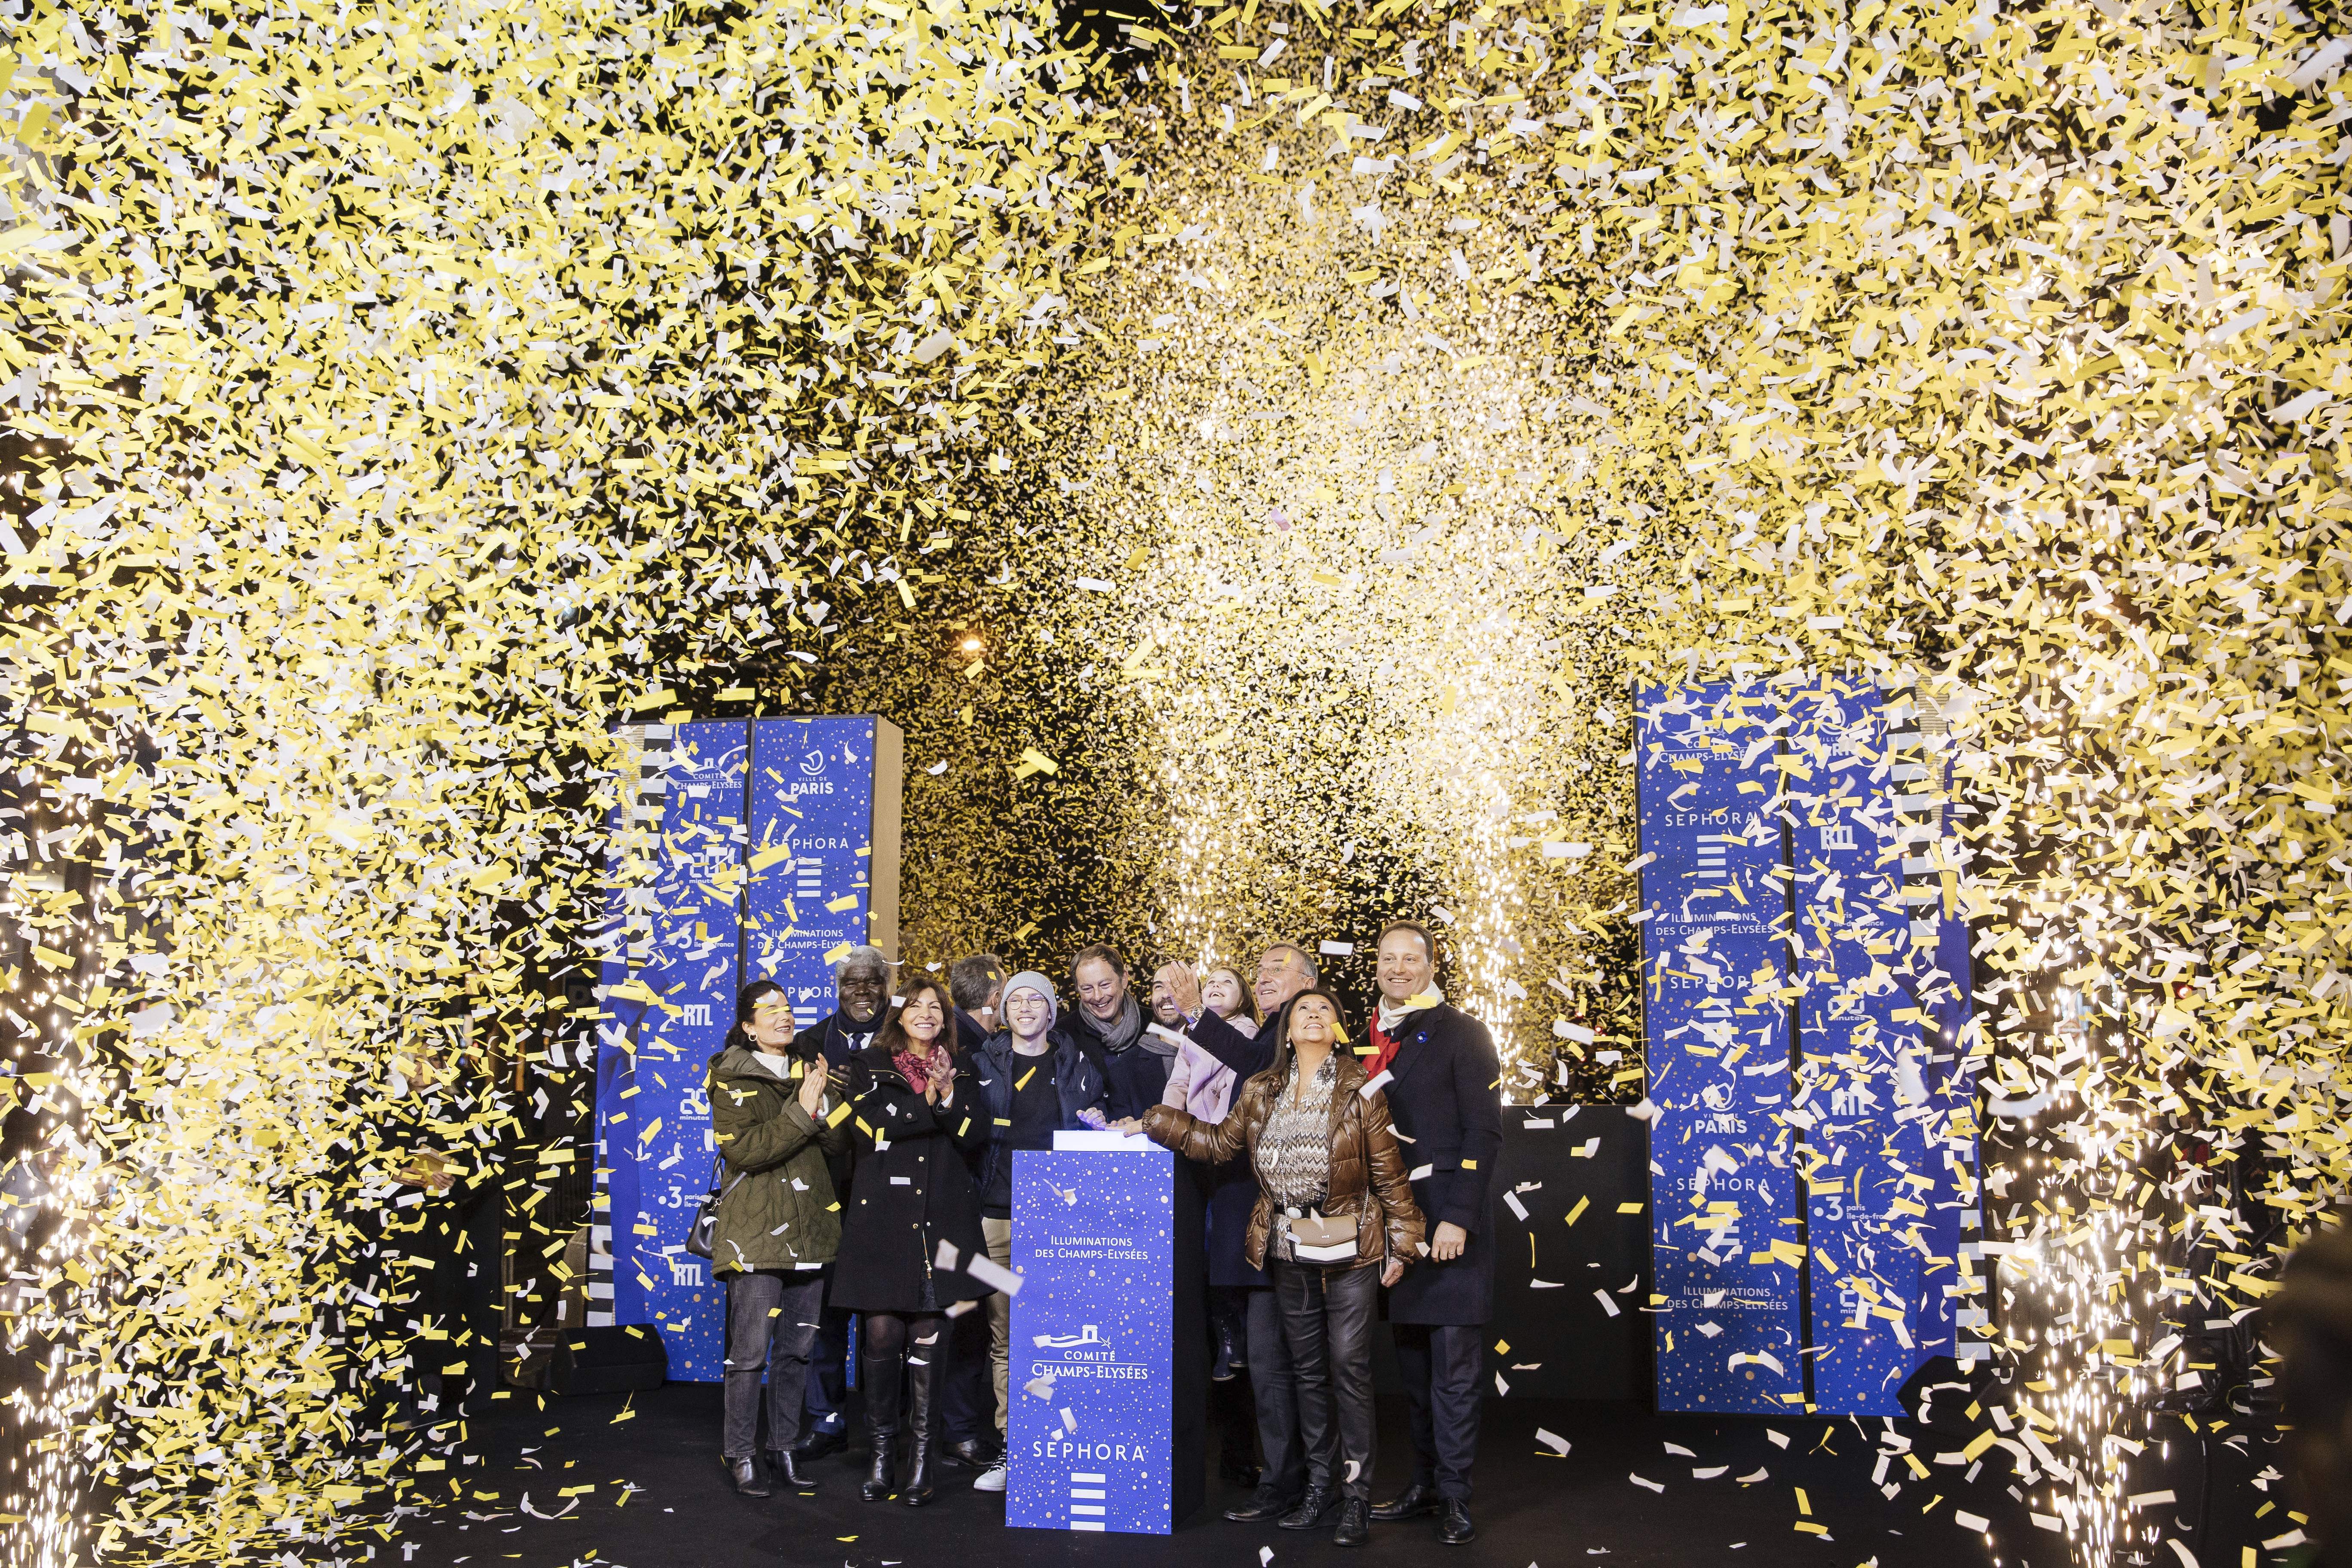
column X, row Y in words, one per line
column 1323, row 1238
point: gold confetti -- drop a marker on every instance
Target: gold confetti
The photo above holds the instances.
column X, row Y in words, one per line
column 414, row 396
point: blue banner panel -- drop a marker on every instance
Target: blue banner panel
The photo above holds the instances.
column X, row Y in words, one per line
column 631, row 909
column 1959, row 1206
column 1869, row 1174
column 676, row 999
column 1725, row 1247
column 1922, row 786
column 1092, row 1375
column 812, row 853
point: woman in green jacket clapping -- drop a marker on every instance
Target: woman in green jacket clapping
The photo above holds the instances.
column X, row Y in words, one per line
column 778, row 1226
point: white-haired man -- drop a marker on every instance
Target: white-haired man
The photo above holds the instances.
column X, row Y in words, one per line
column 861, row 991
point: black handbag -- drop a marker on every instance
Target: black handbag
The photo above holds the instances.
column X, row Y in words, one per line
column 700, row 1238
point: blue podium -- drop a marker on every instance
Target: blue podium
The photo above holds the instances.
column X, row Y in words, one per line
column 1108, row 1362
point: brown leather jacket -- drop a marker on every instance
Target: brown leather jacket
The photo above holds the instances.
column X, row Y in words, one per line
column 1367, row 1168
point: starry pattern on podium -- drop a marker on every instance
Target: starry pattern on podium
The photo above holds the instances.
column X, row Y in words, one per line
column 1095, row 1402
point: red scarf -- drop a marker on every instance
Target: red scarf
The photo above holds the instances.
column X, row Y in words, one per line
column 920, row 1070
column 1384, row 1050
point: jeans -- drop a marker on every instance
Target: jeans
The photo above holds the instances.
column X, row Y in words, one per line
column 1439, row 1364
column 999, row 1233
column 771, row 1321
column 1276, row 1394
column 828, row 1388
column 1327, row 1318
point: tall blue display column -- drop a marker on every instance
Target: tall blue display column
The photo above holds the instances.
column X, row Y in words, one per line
column 1725, row 1240
column 774, row 844
column 1109, row 1429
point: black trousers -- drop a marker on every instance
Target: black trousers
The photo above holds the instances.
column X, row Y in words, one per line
column 1275, row 1391
column 1232, row 1418
column 828, row 1368
column 968, row 1400
column 1327, row 1320
column 1439, row 1364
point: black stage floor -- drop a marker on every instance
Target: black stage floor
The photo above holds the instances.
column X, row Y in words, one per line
column 658, row 1498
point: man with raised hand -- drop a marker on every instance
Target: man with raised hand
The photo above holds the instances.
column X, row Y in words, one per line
column 1284, row 970
column 1438, row 1066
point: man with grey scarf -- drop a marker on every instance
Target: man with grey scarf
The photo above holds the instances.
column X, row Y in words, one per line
column 1108, row 1027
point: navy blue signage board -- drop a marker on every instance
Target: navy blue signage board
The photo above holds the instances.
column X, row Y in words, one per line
column 1726, row 1249
column 1940, row 978
column 653, row 1116
column 1957, row 1218
column 1109, row 1354
column 1869, row 1174
column 1831, row 787
column 813, row 844
column 773, row 845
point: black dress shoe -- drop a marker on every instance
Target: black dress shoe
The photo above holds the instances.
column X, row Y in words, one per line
column 1313, row 1504
column 1267, row 1502
column 1454, row 1526
column 818, row 1444
column 745, row 1474
column 972, row 1453
column 788, row 1467
column 1355, row 1526
column 1411, row 1503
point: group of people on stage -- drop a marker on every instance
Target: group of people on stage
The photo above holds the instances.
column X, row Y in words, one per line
column 867, row 1160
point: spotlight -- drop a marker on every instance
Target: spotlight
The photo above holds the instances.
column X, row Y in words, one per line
column 972, row 644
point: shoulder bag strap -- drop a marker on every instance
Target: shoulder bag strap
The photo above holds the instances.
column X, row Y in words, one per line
column 717, row 1199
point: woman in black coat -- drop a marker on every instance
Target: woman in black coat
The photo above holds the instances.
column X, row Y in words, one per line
column 910, row 1227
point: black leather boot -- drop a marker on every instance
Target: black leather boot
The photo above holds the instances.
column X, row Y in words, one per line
column 1313, row 1504
column 882, row 1377
column 925, row 1365
column 1355, row 1526
column 745, row 1474
column 790, row 1469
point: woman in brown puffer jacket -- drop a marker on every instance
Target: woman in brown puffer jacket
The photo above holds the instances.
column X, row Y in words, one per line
column 1319, row 1149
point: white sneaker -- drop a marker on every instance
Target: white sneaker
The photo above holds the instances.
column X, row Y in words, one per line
column 990, row 1479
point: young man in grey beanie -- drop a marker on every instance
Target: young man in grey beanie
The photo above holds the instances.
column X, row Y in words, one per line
column 1032, row 1085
